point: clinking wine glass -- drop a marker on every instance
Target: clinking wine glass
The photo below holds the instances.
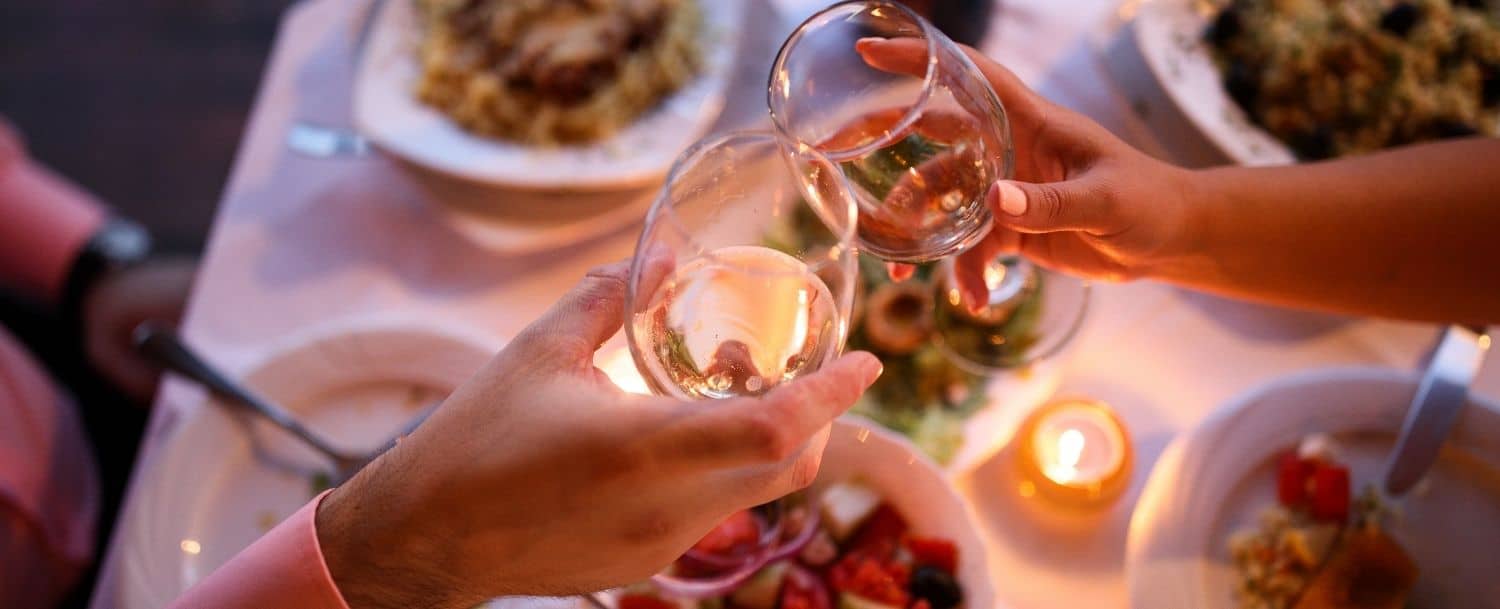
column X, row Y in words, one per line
column 919, row 153
column 743, row 279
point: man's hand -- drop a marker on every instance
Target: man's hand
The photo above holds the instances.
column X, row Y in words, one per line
column 539, row 476
column 117, row 303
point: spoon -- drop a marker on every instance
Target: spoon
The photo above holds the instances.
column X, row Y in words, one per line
column 161, row 345
column 1440, row 398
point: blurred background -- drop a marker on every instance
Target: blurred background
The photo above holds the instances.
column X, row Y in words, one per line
column 141, row 102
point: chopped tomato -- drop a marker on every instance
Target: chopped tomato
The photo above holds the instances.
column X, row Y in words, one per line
column 803, row 590
column 643, row 601
column 736, row 535
column 921, row 604
column 1329, row 492
column 880, row 534
column 868, row 578
column 934, row 552
column 1292, row 474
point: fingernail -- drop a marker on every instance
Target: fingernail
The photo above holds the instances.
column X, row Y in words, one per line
column 1012, row 199
column 873, row 367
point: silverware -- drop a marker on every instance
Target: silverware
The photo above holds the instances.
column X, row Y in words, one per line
column 1440, row 398
column 324, row 142
column 161, row 345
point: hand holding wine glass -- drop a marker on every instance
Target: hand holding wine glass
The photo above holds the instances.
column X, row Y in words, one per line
column 541, row 477
column 1064, row 209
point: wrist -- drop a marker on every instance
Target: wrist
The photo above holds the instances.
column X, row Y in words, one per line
column 1190, row 209
column 378, row 557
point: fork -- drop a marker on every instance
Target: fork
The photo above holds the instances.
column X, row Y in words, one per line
column 161, row 345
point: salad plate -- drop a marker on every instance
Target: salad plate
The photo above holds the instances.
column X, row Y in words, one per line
column 1219, row 480
column 870, row 477
column 217, row 481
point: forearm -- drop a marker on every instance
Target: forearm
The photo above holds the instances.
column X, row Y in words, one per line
column 44, row 222
column 1412, row 233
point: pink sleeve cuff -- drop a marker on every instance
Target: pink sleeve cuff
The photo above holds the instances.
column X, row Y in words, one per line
column 44, row 222
column 282, row 569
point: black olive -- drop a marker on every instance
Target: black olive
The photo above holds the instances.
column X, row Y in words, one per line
column 1489, row 87
column 1313, row 145
column 937, row 586
column 1445, row 128
column 1242, row 84
column 1225, row 27
column 1400, row 19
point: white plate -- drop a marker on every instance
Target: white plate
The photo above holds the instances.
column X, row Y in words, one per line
column 208, row 494
column 1169, row 34
column 386, row 111
column 1215, row 480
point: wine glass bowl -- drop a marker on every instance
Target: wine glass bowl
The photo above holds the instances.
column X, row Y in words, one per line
column 744, row 272
column 919, row 151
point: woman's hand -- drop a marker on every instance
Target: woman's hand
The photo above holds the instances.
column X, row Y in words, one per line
column 1082, row 201
column 540, row 476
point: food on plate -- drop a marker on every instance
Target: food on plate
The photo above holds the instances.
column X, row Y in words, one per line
column 859, row 554
column 554, row 71
column 922, row 394
column 1338, row 78
column 1316, row 548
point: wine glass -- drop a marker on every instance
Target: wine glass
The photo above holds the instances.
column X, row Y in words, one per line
column 920, row 152
column 743, row 279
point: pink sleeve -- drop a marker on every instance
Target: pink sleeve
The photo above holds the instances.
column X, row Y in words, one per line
column 49, row 488
column 282, row 569
column 44, row 221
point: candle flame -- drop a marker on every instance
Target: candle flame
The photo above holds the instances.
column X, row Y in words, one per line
column 1069, row 451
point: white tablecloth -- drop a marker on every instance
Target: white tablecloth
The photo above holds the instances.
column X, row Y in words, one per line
column 299, row 242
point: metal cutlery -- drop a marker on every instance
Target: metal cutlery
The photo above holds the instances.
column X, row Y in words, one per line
column 1440, row 398
column 161, row 345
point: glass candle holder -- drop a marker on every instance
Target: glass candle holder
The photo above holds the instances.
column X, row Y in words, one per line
column 1074, row 452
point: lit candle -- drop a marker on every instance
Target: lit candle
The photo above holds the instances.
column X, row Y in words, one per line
column 1074, row 452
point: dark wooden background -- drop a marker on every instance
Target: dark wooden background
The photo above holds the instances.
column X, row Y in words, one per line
column 141, row 101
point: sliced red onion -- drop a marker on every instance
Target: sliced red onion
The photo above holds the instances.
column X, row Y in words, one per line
column 707, row 587
column 791, row 547
column 720, row 562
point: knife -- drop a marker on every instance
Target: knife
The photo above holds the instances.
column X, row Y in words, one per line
column 1441, row 397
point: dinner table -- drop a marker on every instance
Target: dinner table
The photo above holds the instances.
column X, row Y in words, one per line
column 302, row 241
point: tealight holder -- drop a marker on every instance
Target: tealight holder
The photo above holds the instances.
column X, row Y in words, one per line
column 1074, row 452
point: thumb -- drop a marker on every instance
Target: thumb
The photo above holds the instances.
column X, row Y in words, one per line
column 583, row 318
column 1073, row 205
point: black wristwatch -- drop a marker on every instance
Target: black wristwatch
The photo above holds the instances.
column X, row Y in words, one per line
column 119, row 243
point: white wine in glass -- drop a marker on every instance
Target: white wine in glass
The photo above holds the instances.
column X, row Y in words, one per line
column 738, row 321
